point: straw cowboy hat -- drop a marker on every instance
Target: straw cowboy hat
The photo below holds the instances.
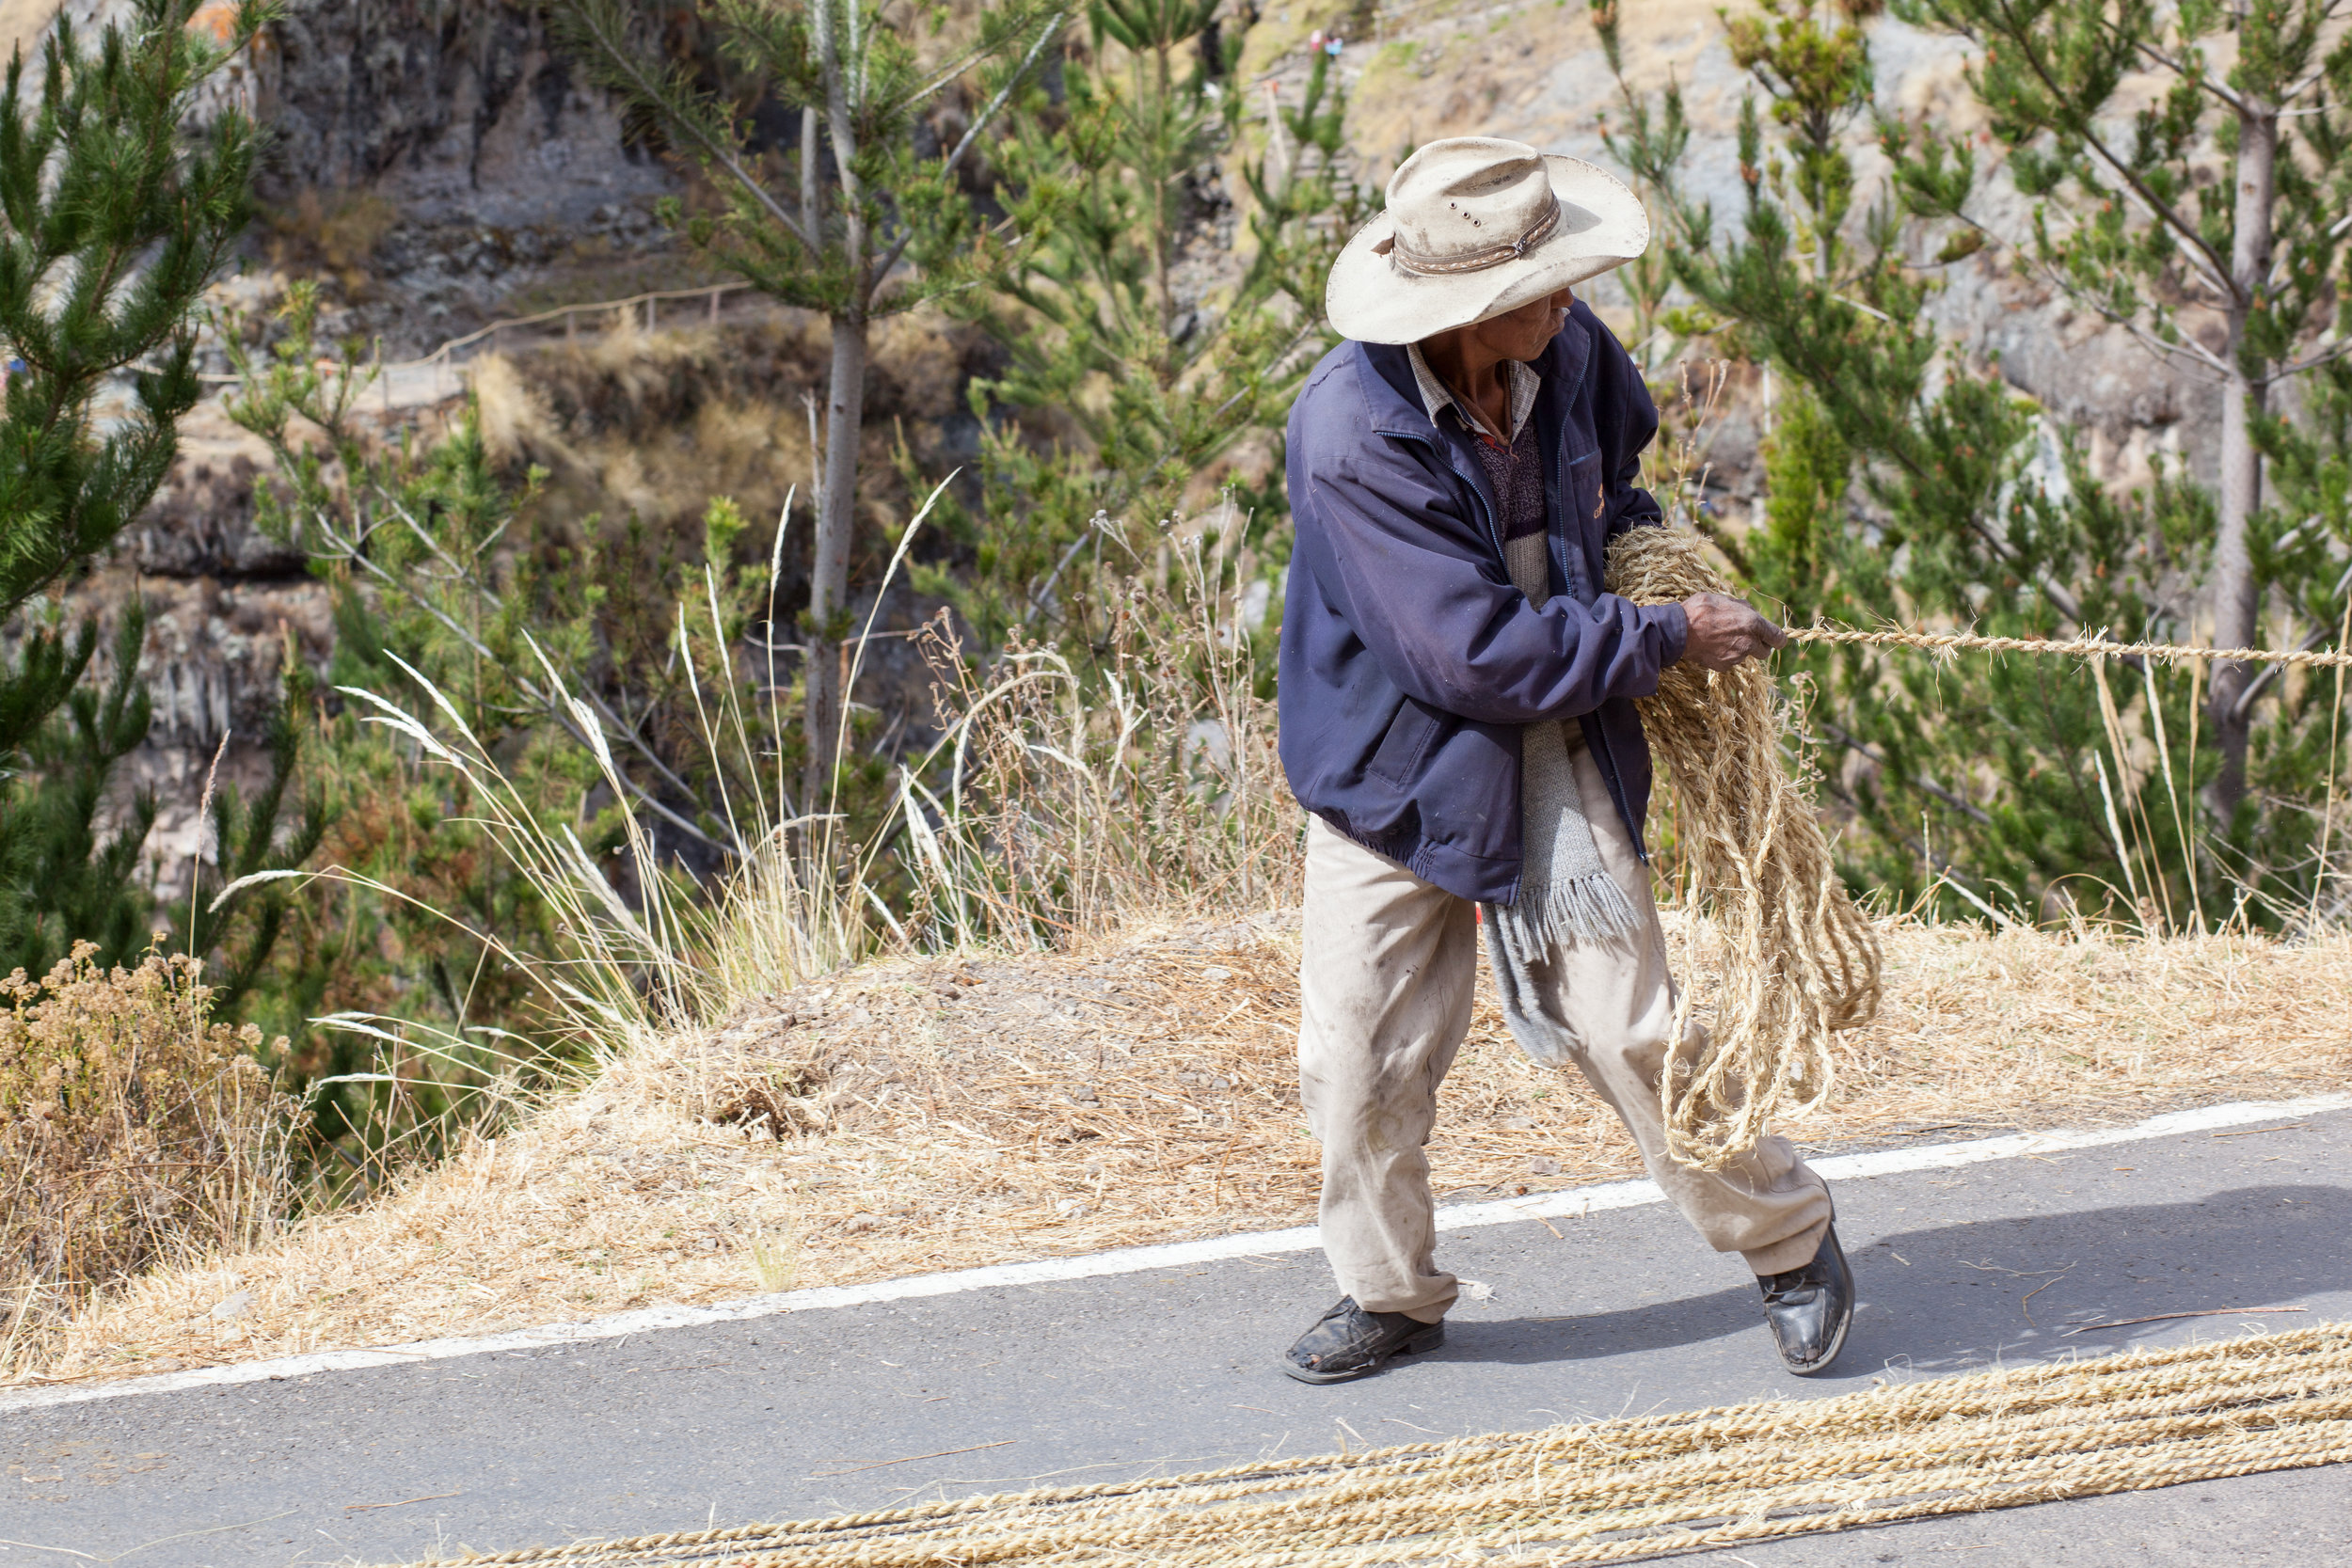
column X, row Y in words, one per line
column 1476, row 225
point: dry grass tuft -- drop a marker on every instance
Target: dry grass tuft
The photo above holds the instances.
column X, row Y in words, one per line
column 917, row 1115
column 132, row 1132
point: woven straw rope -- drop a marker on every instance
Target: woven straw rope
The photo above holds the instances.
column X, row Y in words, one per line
column 1617, row 1491
column 1798, row 962
column 1952, row 641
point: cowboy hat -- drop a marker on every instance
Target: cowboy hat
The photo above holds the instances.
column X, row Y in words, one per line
column 1476, row 225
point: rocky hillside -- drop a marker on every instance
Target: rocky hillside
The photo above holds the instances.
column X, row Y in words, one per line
column 436, row 166
column 439, row 165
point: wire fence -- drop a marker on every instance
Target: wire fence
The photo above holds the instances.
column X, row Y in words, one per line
column 449, row 353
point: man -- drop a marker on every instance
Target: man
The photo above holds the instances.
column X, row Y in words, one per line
column 1458, row 717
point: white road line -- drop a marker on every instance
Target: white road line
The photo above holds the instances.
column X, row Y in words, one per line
column 1573, row 1203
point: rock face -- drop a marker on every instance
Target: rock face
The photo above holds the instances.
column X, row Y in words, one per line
column 455, row 113
column 437, row 165
column 447, row 160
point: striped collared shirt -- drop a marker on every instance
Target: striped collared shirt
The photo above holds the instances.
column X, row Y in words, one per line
column 1437, row 396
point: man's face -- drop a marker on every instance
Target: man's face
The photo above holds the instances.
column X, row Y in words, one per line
column 1521, row 334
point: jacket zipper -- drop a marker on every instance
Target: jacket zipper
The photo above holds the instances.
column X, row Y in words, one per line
column 1595, row 739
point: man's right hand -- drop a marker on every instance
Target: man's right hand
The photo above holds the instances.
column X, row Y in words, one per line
column 1724, row 631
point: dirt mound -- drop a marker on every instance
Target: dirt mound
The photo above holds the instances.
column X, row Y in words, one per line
column 980, row 1108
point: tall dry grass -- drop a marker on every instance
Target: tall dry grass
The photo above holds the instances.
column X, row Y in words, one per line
column 1064, row 802
column 1052, row 803
column 134, row 1130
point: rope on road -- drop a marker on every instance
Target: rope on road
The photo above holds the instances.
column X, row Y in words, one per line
column 1622, row 1490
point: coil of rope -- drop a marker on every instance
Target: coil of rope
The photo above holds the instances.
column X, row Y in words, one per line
column 1799, row 962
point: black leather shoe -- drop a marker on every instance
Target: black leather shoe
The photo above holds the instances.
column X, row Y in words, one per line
column 1809, row 1308
column 1348, row 1341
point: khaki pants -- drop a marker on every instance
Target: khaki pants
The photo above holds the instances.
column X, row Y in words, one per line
column 1385, row 992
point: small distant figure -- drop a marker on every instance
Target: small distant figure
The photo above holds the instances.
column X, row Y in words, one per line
column 217, row 20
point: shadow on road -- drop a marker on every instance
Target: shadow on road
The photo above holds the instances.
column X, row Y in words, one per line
column 1955, row 1296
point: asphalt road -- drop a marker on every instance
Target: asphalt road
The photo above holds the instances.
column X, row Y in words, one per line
column 823, row 1412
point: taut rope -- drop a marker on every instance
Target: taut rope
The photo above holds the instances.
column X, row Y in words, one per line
column 2081, row 647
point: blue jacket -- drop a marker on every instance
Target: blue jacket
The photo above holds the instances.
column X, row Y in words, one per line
column 1409, row 663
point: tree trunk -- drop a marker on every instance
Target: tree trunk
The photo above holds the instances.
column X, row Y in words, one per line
column 2234, row 592
column 828, row 622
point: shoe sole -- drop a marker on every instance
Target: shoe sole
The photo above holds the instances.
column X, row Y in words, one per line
column 1428, row 1339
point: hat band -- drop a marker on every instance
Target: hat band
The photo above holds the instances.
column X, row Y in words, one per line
column 1477, row 260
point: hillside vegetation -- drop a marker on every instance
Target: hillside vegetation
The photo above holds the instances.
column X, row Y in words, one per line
column 711, row 687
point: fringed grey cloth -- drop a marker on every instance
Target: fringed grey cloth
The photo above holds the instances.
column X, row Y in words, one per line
column 1566, row 893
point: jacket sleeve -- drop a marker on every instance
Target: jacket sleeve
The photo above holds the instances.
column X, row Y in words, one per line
column 1413, row 579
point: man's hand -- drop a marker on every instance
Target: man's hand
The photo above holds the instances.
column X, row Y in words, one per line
column 1724, row 631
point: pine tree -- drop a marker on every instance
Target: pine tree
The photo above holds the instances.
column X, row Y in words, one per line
column 872, row 212
column 1123, row 382
column 2114, row 116
column 1905, row 484
column 113, row 221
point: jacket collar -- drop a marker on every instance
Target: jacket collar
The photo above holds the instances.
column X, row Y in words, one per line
column 1392, row 397
column 1438, row 396
column 1394, row 393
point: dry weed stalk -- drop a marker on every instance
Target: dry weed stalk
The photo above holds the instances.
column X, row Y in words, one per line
column 1796, row 961
column 132, row 1132
column 1070, row 803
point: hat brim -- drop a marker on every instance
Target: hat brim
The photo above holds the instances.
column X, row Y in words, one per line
column 1602, row 226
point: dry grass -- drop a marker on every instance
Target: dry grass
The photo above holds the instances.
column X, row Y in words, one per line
column 651, row 424
column 950, row 1111
column 131, row 1131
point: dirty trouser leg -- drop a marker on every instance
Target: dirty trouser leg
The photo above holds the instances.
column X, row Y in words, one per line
column 1611, row 1004
column 1384, row 984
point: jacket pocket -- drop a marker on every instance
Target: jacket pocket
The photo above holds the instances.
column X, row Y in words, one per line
column 1586, row 495
column 1402, row 749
